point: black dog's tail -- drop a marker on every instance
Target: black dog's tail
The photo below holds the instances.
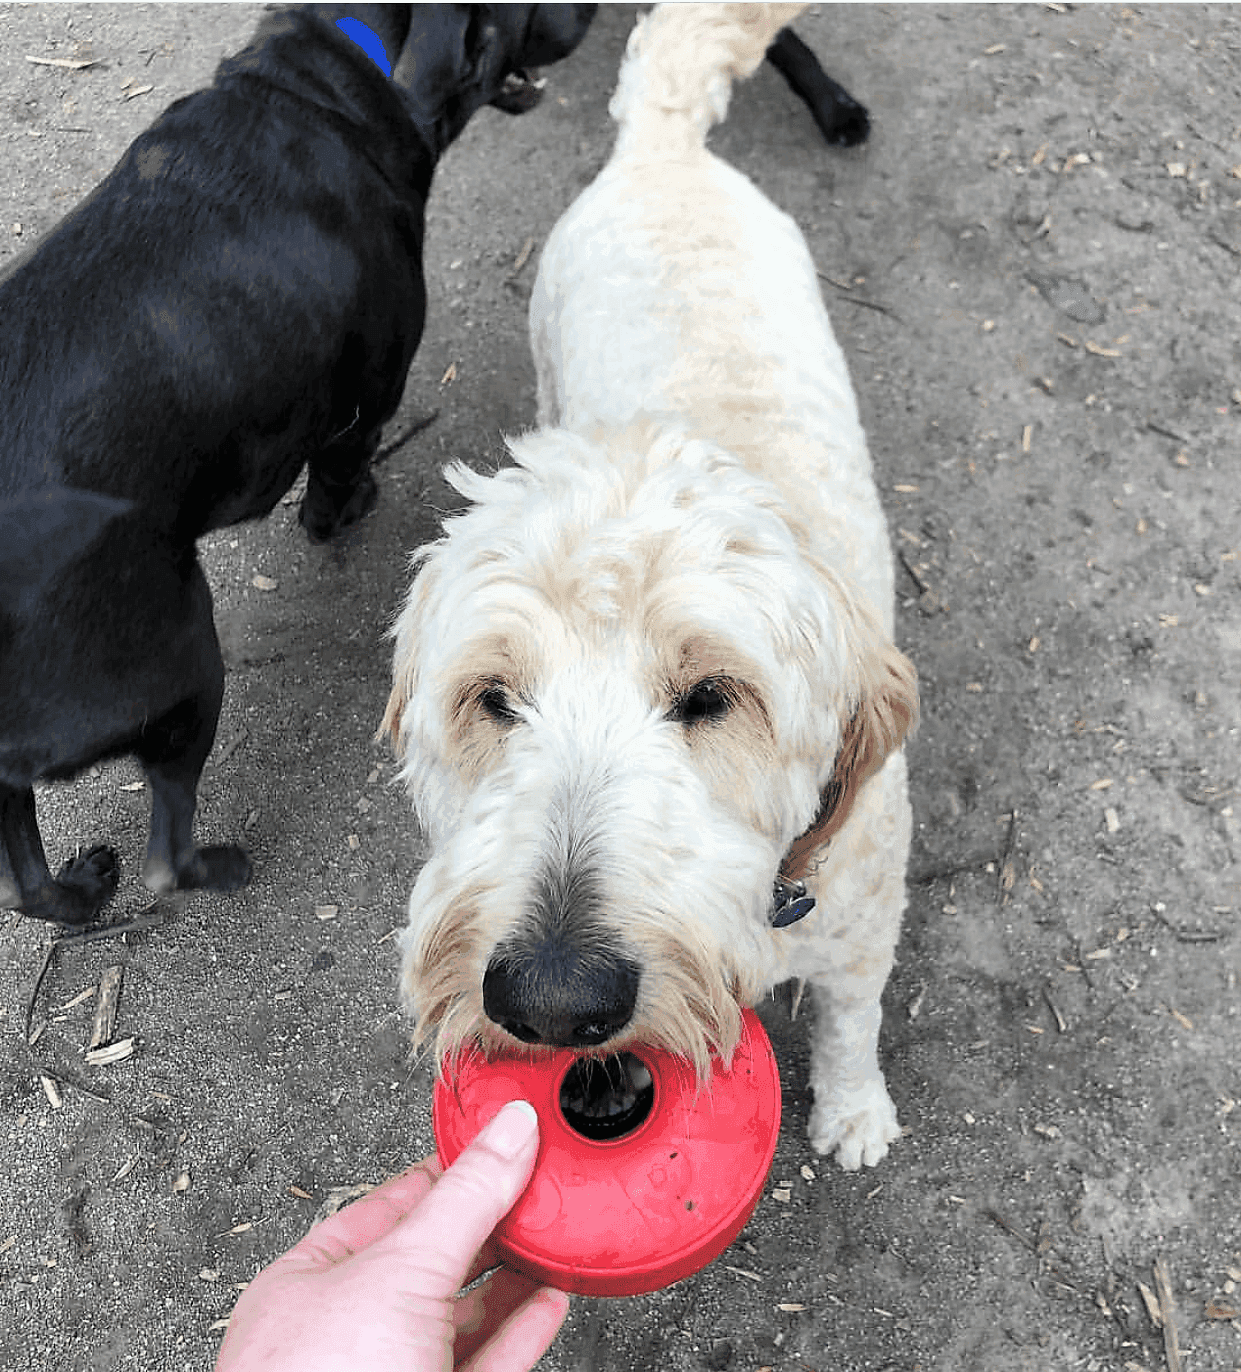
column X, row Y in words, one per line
column 679, row 69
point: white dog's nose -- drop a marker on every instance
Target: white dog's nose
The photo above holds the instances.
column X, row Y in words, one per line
column 559, row 995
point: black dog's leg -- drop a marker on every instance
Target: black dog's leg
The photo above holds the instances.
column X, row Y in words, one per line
column 841, row 119
column 340, row 488
column 82, row 887
column 173, row 750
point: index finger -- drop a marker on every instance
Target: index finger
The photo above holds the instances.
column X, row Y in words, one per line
column 366, row 1220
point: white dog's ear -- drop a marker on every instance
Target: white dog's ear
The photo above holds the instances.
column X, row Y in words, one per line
column 397, row 701
column 885, row 712
column 406, row 632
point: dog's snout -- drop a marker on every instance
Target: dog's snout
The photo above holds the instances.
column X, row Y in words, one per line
column 560, row 996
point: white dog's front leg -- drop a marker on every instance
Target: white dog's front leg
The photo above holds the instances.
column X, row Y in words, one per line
column 853, row 1112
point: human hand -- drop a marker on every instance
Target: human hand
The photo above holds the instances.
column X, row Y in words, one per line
column 375, row 1287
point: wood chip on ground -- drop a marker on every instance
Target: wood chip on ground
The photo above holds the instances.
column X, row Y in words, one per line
column 104, row 1022
column 1167, row 1309
column 114, row 1052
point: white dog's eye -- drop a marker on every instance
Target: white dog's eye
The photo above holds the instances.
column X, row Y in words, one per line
column 704, row 703
column 494, row 701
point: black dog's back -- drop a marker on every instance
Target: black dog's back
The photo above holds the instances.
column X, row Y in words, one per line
column 216, row 324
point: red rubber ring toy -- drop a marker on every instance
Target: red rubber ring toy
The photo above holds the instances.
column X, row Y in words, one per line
column 625, row 1215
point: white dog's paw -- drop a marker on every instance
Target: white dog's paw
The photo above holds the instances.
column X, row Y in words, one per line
column 859, row 1127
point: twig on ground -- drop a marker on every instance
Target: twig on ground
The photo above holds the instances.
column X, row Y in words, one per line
column 1166, row 432
column 946, row 871
column 1167, row 1311
column 522, row 258
column 1007, row 875
column 1186, row 935
column 66, row 1080
column 143, row 920
column 48, row 954
column 1009, row 1228
column 847, row 294
column 913, row 575
column 413, row 431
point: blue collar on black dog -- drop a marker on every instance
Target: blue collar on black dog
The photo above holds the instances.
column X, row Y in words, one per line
column 368, row 40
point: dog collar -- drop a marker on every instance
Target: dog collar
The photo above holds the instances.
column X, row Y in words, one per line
column 368, row 40
column 789, row 903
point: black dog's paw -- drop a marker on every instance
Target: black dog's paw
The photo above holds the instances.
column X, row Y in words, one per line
column 519, row 94
column 323, row 518
column 83, row 886
column 842, row 120
column 847, row 124
column 221, row 868
column 224, row 867
column 91, row 876
column 319, row 524
column 363, row 500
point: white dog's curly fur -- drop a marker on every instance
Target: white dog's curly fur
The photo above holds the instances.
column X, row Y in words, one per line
column 651, row 668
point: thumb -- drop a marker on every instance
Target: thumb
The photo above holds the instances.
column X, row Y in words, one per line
column 443, row 1235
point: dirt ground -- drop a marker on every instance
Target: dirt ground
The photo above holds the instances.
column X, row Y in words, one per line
column 1033, row 268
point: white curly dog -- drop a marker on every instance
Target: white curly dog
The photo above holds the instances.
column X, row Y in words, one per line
column 646, row 694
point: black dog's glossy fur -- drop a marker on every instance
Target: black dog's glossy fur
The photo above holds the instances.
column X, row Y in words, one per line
column 241, row 296
column 841, row 119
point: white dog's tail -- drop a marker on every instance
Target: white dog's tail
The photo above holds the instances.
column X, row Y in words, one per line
column 679, row 69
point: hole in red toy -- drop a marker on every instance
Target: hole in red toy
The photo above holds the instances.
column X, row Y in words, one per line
column 607, row 1098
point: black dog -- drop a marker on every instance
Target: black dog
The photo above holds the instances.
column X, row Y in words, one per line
column 241, row 296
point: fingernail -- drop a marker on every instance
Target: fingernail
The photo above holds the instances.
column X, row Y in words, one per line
column 511, row 1129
